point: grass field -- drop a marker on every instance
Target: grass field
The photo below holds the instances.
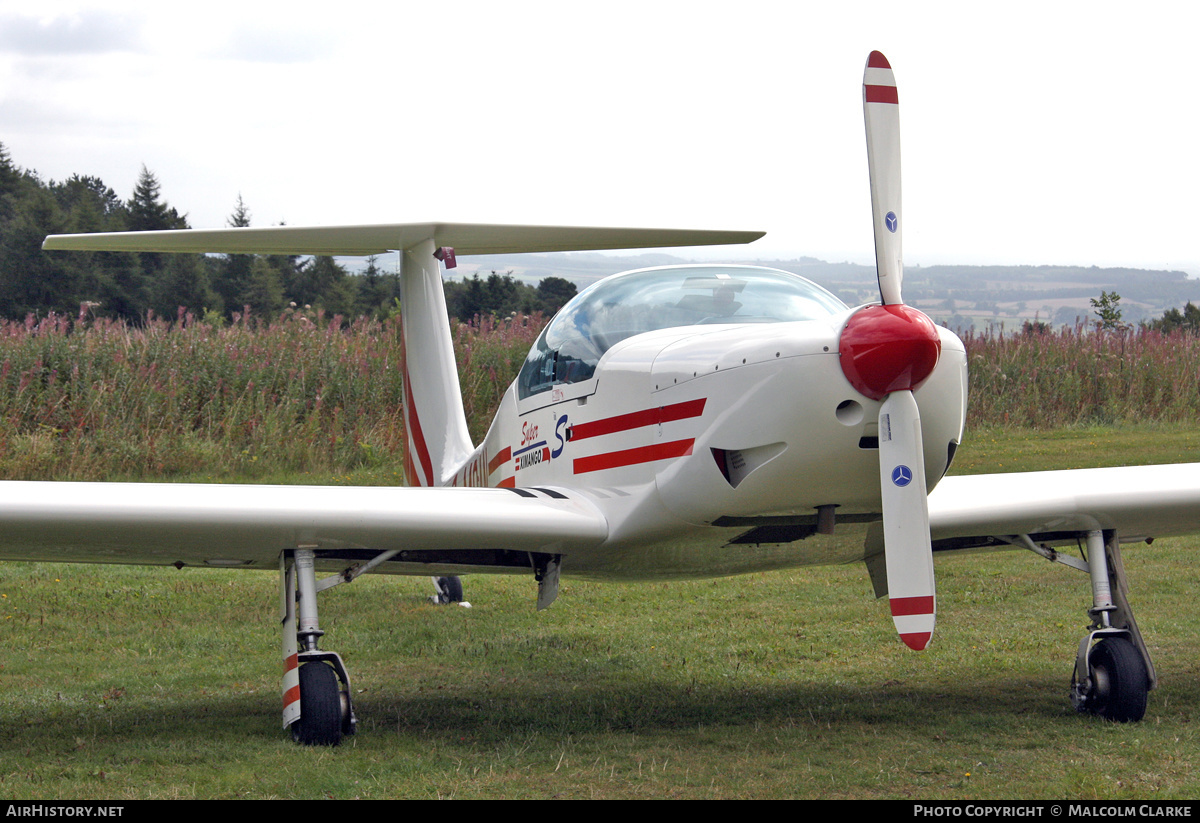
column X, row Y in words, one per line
column 131, row 683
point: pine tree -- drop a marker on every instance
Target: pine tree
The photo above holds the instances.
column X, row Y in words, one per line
column 156, row 284
column 554, row 293
column 264, row 292
column 147, row 212
column 378, row 291
column 235, row 270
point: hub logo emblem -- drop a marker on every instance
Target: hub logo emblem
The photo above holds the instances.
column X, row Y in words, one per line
column 902, row 475
column 891, row 221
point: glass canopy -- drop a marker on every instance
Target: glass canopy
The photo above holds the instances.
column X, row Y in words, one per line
column 620, row 307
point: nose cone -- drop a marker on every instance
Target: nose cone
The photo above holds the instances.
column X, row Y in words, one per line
column 885, row 349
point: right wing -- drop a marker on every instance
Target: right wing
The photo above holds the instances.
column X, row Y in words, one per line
column 248, row 526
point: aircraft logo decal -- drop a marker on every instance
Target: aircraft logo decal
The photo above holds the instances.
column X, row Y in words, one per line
column 532, row 453
column 561, row 435
column 891, row 221
column 531, row 456
column 902, row 475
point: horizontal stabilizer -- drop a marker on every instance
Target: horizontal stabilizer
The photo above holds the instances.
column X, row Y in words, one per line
column 465, row 238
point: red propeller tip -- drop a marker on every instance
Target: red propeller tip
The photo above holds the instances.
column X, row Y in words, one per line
column 878, row 61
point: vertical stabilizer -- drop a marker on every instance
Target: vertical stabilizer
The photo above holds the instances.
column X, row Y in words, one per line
column 436, row 426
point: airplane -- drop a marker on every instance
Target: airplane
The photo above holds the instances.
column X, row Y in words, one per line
column 672, row 422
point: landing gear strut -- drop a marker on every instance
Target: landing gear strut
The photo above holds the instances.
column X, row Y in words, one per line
column 1113, row 673
column 316, row 687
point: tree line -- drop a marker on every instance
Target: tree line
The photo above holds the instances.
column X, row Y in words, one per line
column 131, row 286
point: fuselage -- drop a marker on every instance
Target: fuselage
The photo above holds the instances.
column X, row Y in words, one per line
column 708, row 415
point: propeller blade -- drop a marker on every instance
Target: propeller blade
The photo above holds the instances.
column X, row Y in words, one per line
column 907, row 549
column 882, row 113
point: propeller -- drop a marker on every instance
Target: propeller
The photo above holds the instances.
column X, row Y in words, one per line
column 888, row 351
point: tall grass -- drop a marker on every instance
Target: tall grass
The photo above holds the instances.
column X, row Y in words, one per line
column 304, row 392
column 1079, row 376
column 93, row 399
column 490, row 353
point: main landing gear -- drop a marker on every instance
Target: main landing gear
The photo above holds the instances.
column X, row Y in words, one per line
column 316, row 687
column 1113, row 674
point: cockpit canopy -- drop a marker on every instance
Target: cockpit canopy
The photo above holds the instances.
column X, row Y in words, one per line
column 627, row 304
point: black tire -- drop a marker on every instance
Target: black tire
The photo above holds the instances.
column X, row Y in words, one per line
column 320, row 722
column 450, row 589
column 1120, row 684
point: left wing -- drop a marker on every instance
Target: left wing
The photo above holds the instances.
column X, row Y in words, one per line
column 248, row 526
column 1138, row 501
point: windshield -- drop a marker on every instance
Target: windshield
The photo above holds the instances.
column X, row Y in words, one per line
column 627, row 304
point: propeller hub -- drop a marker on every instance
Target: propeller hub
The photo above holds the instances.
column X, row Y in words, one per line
column 885, row 349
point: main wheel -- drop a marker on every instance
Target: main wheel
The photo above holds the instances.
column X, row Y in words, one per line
column 320, row 722
column 1120, row 684
column 450, row 589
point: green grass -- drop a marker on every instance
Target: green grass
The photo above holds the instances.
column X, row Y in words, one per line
column 130, row 683
column 999, row 449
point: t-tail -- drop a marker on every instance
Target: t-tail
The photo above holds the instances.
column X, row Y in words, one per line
column 438, row 439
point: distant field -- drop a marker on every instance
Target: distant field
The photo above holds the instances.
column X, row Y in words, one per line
column 129, row 683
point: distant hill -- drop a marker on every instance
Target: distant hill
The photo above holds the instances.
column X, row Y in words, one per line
column 961, row 296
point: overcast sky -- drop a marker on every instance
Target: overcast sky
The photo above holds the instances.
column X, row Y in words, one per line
column 1032, row 132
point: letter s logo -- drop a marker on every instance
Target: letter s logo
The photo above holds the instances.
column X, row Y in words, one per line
column 560, row 436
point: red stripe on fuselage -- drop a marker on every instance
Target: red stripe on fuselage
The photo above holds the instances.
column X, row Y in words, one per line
column 500, row 459
column 631, row 457
column 638, row 419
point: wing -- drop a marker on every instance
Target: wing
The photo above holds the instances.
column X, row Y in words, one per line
column 1138, row 501
column 465, row 238
column 248, row 526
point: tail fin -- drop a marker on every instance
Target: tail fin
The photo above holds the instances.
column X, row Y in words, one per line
column 438, row 441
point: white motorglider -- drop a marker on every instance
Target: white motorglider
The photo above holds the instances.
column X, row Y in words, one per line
column 671, row 422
